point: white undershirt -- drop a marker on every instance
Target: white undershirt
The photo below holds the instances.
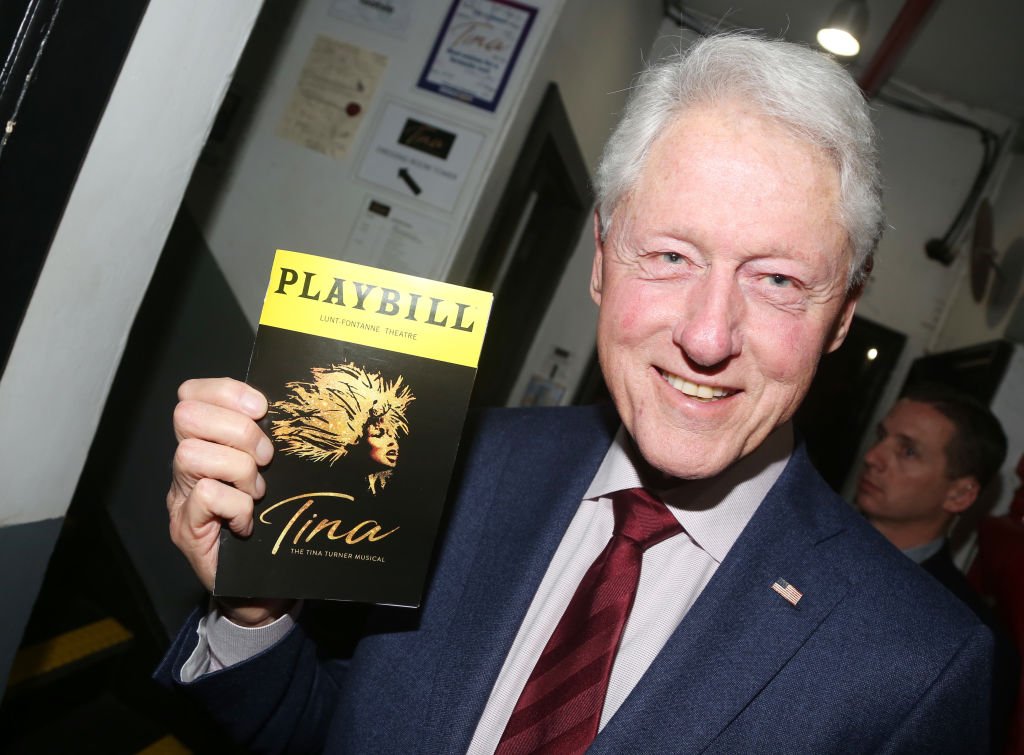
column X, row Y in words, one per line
column 713, row 513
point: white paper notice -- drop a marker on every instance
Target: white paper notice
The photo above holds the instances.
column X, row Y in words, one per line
column 388, row 16
column 330, row 101
column 420, row 156
column 397, row 238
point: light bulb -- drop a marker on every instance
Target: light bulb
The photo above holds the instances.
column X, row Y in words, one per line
column 838, row 42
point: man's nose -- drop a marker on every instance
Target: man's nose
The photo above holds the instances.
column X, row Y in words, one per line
column 709, row 328
column 875, row 457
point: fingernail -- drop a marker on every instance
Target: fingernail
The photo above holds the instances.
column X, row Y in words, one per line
column 261, row 486
column 252, row 404
column 264, row 450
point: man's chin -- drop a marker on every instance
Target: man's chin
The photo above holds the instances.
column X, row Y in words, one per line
column 692, row 464
column 866, row 492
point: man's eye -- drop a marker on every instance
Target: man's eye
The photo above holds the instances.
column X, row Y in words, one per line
column 908, row 451
column 777, row 279
column 672, row 258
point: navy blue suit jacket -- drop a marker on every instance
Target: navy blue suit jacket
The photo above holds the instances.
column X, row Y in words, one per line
column 876, row 656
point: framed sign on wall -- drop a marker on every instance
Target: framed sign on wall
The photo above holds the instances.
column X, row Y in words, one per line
column 476, row 50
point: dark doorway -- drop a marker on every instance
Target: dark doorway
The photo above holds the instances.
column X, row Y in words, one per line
column 533, row 234
column 842, row 399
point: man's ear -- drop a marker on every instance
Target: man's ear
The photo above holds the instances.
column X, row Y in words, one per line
column 596, row 273
column 962, row 492
column 843, row 321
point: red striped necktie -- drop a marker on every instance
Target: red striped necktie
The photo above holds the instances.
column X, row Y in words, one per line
column 560, row 707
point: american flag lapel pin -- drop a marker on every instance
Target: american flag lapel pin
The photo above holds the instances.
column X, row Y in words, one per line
column 786, row 590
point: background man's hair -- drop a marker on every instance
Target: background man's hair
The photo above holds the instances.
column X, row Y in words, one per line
column 978, row 446
column 801, row 88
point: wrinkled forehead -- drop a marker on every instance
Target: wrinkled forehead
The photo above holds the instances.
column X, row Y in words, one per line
column 695, row 121
column 761, row 170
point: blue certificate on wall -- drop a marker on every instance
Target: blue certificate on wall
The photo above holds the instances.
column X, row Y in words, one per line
column 476, row 50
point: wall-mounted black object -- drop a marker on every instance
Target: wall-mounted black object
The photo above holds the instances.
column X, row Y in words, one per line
column 976, row 370
column 533, row 234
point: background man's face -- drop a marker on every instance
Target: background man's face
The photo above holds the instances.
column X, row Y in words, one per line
column 720, row 285
column 905, row 475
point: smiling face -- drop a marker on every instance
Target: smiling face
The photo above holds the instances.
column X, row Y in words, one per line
column 721, row 283
column 905, row 489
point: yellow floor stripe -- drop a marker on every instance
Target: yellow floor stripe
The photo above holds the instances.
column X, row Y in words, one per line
column 36, row 660
column 166, row 746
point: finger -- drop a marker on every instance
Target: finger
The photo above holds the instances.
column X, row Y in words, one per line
column 196, row 459
column 195, row 528
column 195, row 524
column 225, row 392
column 226, row 427
column 213, row 501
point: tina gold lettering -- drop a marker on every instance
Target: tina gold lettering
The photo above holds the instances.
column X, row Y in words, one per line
column 369, row 530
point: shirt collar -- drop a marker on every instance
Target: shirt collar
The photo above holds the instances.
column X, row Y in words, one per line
column 921, row 553
column 715, row 510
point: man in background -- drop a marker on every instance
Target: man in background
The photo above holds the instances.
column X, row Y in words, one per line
column 936, row 451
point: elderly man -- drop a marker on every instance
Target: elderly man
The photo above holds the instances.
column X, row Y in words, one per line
column 672, row 576
column 936, row 451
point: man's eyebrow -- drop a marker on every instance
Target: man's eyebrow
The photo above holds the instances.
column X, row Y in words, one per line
column 912, row 440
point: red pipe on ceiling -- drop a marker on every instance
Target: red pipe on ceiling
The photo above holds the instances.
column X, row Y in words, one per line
column 889, row 53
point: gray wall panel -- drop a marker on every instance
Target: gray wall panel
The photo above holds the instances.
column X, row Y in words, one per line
column 24, row 552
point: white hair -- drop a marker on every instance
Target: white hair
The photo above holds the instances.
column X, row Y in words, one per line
column 804, row 90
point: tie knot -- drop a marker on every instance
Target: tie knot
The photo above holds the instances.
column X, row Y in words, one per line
column 643, row 518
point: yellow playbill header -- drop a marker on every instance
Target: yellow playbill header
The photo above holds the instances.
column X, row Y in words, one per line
column 373, row 307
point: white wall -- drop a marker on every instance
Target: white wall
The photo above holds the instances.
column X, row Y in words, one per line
column 593, row 53
column 595, row 96
column 113, row 229
column 968, row 321
column 927, row 169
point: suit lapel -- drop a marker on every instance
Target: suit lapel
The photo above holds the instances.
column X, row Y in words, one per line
column 528, row 507
column 739, row 633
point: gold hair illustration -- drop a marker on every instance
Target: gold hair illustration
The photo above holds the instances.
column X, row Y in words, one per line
column 324, row 418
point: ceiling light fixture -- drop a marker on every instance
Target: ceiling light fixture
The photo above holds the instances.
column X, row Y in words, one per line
column 842, row 33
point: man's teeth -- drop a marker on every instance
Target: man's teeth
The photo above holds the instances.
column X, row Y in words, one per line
column 705, row 392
